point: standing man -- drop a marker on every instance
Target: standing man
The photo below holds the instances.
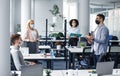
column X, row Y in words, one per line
column 99, row 39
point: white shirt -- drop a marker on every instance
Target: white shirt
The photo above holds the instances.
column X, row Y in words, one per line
column 17, row 57
column 95, row 34
column 75, row 30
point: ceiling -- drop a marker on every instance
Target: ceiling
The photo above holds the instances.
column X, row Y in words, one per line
column 102, row 3
column 105, row 3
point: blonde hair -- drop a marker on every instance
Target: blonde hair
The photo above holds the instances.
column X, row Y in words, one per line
column 28, row 23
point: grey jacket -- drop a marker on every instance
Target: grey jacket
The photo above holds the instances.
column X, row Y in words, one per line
column 101, row 38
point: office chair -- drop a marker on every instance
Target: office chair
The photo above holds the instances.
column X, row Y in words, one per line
column 28, row 70
column 114, row 54
column 13, row 68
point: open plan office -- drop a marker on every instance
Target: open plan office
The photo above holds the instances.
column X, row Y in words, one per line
column 60, row 38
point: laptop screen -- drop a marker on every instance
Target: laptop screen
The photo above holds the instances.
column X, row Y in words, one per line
column 104, row 68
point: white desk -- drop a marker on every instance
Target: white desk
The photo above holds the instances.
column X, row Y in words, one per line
column 44, row 47
column 72, row 54
column 52, row 40
column 116, row 72
column 40, row 56
column 75, row 49
column 47, row 57
column 114, row 40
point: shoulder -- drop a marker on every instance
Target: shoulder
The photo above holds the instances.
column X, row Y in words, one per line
column 13, row 51
column 104, row 27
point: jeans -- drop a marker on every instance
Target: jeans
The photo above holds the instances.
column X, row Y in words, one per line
column 99, row 58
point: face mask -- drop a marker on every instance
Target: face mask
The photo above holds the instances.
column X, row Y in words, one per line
column 32, row 25
column 21, row 43
column 97, row 22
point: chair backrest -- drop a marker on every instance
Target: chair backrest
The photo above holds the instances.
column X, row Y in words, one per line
column 114, row 49
column 12, row 63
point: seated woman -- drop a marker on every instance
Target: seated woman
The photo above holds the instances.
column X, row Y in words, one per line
column 16, row 53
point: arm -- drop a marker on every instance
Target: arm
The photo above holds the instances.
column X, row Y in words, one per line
column 89, row 39
column 37, row 38
column 26, row 36
column 16, row 60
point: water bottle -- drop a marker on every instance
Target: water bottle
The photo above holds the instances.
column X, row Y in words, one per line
column 52, row 54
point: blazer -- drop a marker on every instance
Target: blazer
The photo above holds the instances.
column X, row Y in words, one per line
column 101, row 39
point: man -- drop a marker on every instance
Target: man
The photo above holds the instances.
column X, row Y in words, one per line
column 99, row 39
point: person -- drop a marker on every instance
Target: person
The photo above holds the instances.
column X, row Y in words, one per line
column 31, row 36
column 16, row 54
column 73, row 30
column 99, row 40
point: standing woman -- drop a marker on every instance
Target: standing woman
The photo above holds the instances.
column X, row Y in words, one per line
column 31, row 36
column 73, row 30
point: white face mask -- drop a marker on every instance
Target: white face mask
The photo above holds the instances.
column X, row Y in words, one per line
column 32, row 25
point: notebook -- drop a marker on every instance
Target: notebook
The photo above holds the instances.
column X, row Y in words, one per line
column 73, row 35
column 104, row 68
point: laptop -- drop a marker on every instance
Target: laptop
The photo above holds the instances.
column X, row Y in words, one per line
column 32, row 70
column 104, row 68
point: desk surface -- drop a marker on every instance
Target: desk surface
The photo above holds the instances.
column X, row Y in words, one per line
column 41, row 57
column 44, row 47
column 70, row 72
column 114, row 40
column 52, row 40
column 76, row 49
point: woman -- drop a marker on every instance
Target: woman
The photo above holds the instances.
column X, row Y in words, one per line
column 16, row 53
column 31, row 36
column 73, row 31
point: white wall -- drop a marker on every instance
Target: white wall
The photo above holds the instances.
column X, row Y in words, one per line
column 15, row 15
column 42, row 8
column 17, row 12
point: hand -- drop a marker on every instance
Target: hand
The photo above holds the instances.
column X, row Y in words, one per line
column 32, row 63
column 89, row 39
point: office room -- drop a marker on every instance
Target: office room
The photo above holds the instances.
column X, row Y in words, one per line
column 60, row 38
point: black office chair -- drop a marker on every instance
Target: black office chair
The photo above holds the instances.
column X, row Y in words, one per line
column 13, row 68
column 86, row 60
column 114, row 54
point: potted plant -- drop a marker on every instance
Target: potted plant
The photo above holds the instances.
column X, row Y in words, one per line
column 58, row 45
column 55, row 10
column 48, row 72
column 82, row 45
column 52, row 27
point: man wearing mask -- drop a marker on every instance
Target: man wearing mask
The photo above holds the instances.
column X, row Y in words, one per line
column 99, row 39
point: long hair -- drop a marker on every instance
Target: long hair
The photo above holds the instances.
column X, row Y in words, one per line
column 28, row 23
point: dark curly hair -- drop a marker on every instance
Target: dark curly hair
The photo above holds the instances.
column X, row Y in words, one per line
column 101, row 16
column 77, row 23
column 14, row 37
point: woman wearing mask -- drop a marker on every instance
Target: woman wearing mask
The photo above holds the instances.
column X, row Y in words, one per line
column 73, row 30
column 31, row 36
